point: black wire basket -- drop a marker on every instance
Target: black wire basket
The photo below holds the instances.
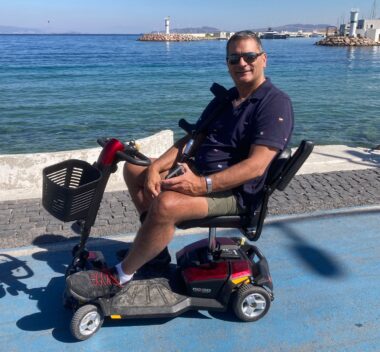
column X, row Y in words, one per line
column 69, row 189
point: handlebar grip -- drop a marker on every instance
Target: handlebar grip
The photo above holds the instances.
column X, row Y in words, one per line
column 102, row 141
column 134, row 157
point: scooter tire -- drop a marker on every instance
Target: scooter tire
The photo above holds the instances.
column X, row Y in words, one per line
column 86, row 321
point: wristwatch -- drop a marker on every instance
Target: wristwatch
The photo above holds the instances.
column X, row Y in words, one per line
column 208, row 184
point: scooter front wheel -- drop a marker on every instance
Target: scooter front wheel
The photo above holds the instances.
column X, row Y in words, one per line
column 86, row 321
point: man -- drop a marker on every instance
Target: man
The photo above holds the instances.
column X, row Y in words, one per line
column 231, row 163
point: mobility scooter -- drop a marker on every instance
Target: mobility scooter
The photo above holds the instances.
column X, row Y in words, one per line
column 211, row 274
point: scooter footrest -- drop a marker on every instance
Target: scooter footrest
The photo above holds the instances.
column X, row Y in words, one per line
column 146, row 293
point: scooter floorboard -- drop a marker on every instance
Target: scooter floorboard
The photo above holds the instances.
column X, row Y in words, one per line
column 148, row 297
column 154, row 297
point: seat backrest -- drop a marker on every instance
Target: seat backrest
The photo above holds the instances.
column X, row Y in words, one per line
column 294, row 164
column 285, row 166
column 277, row 166
column 281, row 171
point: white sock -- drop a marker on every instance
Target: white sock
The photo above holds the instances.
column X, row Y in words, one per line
column 123, row 277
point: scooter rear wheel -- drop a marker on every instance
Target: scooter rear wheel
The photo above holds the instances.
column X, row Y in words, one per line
column 86, row 321
column 251, row 303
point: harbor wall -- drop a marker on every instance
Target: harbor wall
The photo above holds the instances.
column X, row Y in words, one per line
column 21, row 174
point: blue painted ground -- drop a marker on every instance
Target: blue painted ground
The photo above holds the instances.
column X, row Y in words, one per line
column 326, row 273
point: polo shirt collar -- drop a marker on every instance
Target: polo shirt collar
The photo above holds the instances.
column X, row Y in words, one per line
column 262, row 91
column 259, row 94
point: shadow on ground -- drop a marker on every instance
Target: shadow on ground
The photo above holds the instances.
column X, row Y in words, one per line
column 12, row 271
column 316, row 259
column 52, row 314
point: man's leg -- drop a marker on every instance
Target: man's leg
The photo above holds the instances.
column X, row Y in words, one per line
column 134, row 177
column 168, row 209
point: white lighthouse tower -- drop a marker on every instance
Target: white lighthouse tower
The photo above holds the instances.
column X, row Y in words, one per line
column 167, row 25
column 354, row 22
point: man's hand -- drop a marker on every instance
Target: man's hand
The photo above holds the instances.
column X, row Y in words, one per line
column 152, row 186
column 187, row 183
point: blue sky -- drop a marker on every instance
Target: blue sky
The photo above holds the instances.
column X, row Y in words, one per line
column 136, row 16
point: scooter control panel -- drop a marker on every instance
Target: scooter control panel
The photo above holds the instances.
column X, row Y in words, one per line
column 229, row 253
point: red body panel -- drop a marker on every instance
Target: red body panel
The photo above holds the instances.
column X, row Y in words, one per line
column 213, row 271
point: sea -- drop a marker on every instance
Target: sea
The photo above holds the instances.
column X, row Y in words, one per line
column 62, row 92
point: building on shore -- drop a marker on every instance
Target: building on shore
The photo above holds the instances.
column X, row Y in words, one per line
column 361, row 28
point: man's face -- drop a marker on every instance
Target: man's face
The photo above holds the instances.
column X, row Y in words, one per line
column 244, row 73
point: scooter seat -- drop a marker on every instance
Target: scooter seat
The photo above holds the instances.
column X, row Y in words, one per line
column 225, row 221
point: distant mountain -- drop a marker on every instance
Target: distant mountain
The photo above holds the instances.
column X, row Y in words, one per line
column 18, row 30
column 295, row 28
column 287, row 27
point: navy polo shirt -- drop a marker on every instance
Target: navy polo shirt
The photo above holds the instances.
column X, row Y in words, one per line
column 265, row 118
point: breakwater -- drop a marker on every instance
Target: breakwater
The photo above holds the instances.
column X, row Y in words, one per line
column 347, row 41
column 175, row 37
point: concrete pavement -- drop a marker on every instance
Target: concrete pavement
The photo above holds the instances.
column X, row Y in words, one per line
column 325, row 272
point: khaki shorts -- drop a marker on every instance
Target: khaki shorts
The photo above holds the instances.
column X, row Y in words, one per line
column 223, row 203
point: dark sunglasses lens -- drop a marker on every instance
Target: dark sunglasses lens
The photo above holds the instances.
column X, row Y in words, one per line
column 249, row 58
column 233, row 59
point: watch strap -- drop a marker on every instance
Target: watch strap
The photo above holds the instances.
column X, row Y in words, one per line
column 208, row 184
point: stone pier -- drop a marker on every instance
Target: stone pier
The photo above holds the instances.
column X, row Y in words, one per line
column 347, row 41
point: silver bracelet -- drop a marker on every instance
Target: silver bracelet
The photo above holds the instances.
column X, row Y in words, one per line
column 208, row 184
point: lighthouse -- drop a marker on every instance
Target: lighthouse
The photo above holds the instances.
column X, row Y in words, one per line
column 354, row 22
column 167, row 25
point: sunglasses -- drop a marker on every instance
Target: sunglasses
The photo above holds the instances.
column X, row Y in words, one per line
column 249, row 58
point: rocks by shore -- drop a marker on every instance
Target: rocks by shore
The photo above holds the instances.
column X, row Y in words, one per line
column 175, row 37
column 347, row 41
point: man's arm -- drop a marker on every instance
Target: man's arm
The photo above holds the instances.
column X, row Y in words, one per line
column 259, row 159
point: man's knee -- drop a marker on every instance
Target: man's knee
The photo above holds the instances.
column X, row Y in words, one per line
column 164, row 206
column 174, row 207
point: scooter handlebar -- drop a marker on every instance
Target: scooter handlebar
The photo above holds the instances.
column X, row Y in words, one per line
column 130, row 153
column 134, row 157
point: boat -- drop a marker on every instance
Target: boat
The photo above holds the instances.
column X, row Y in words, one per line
column 270, row 34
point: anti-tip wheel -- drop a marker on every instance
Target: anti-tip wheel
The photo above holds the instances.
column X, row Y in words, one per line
column 86, row 321
column 251, row 303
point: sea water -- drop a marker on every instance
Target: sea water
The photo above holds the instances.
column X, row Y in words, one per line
column 62, row 92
